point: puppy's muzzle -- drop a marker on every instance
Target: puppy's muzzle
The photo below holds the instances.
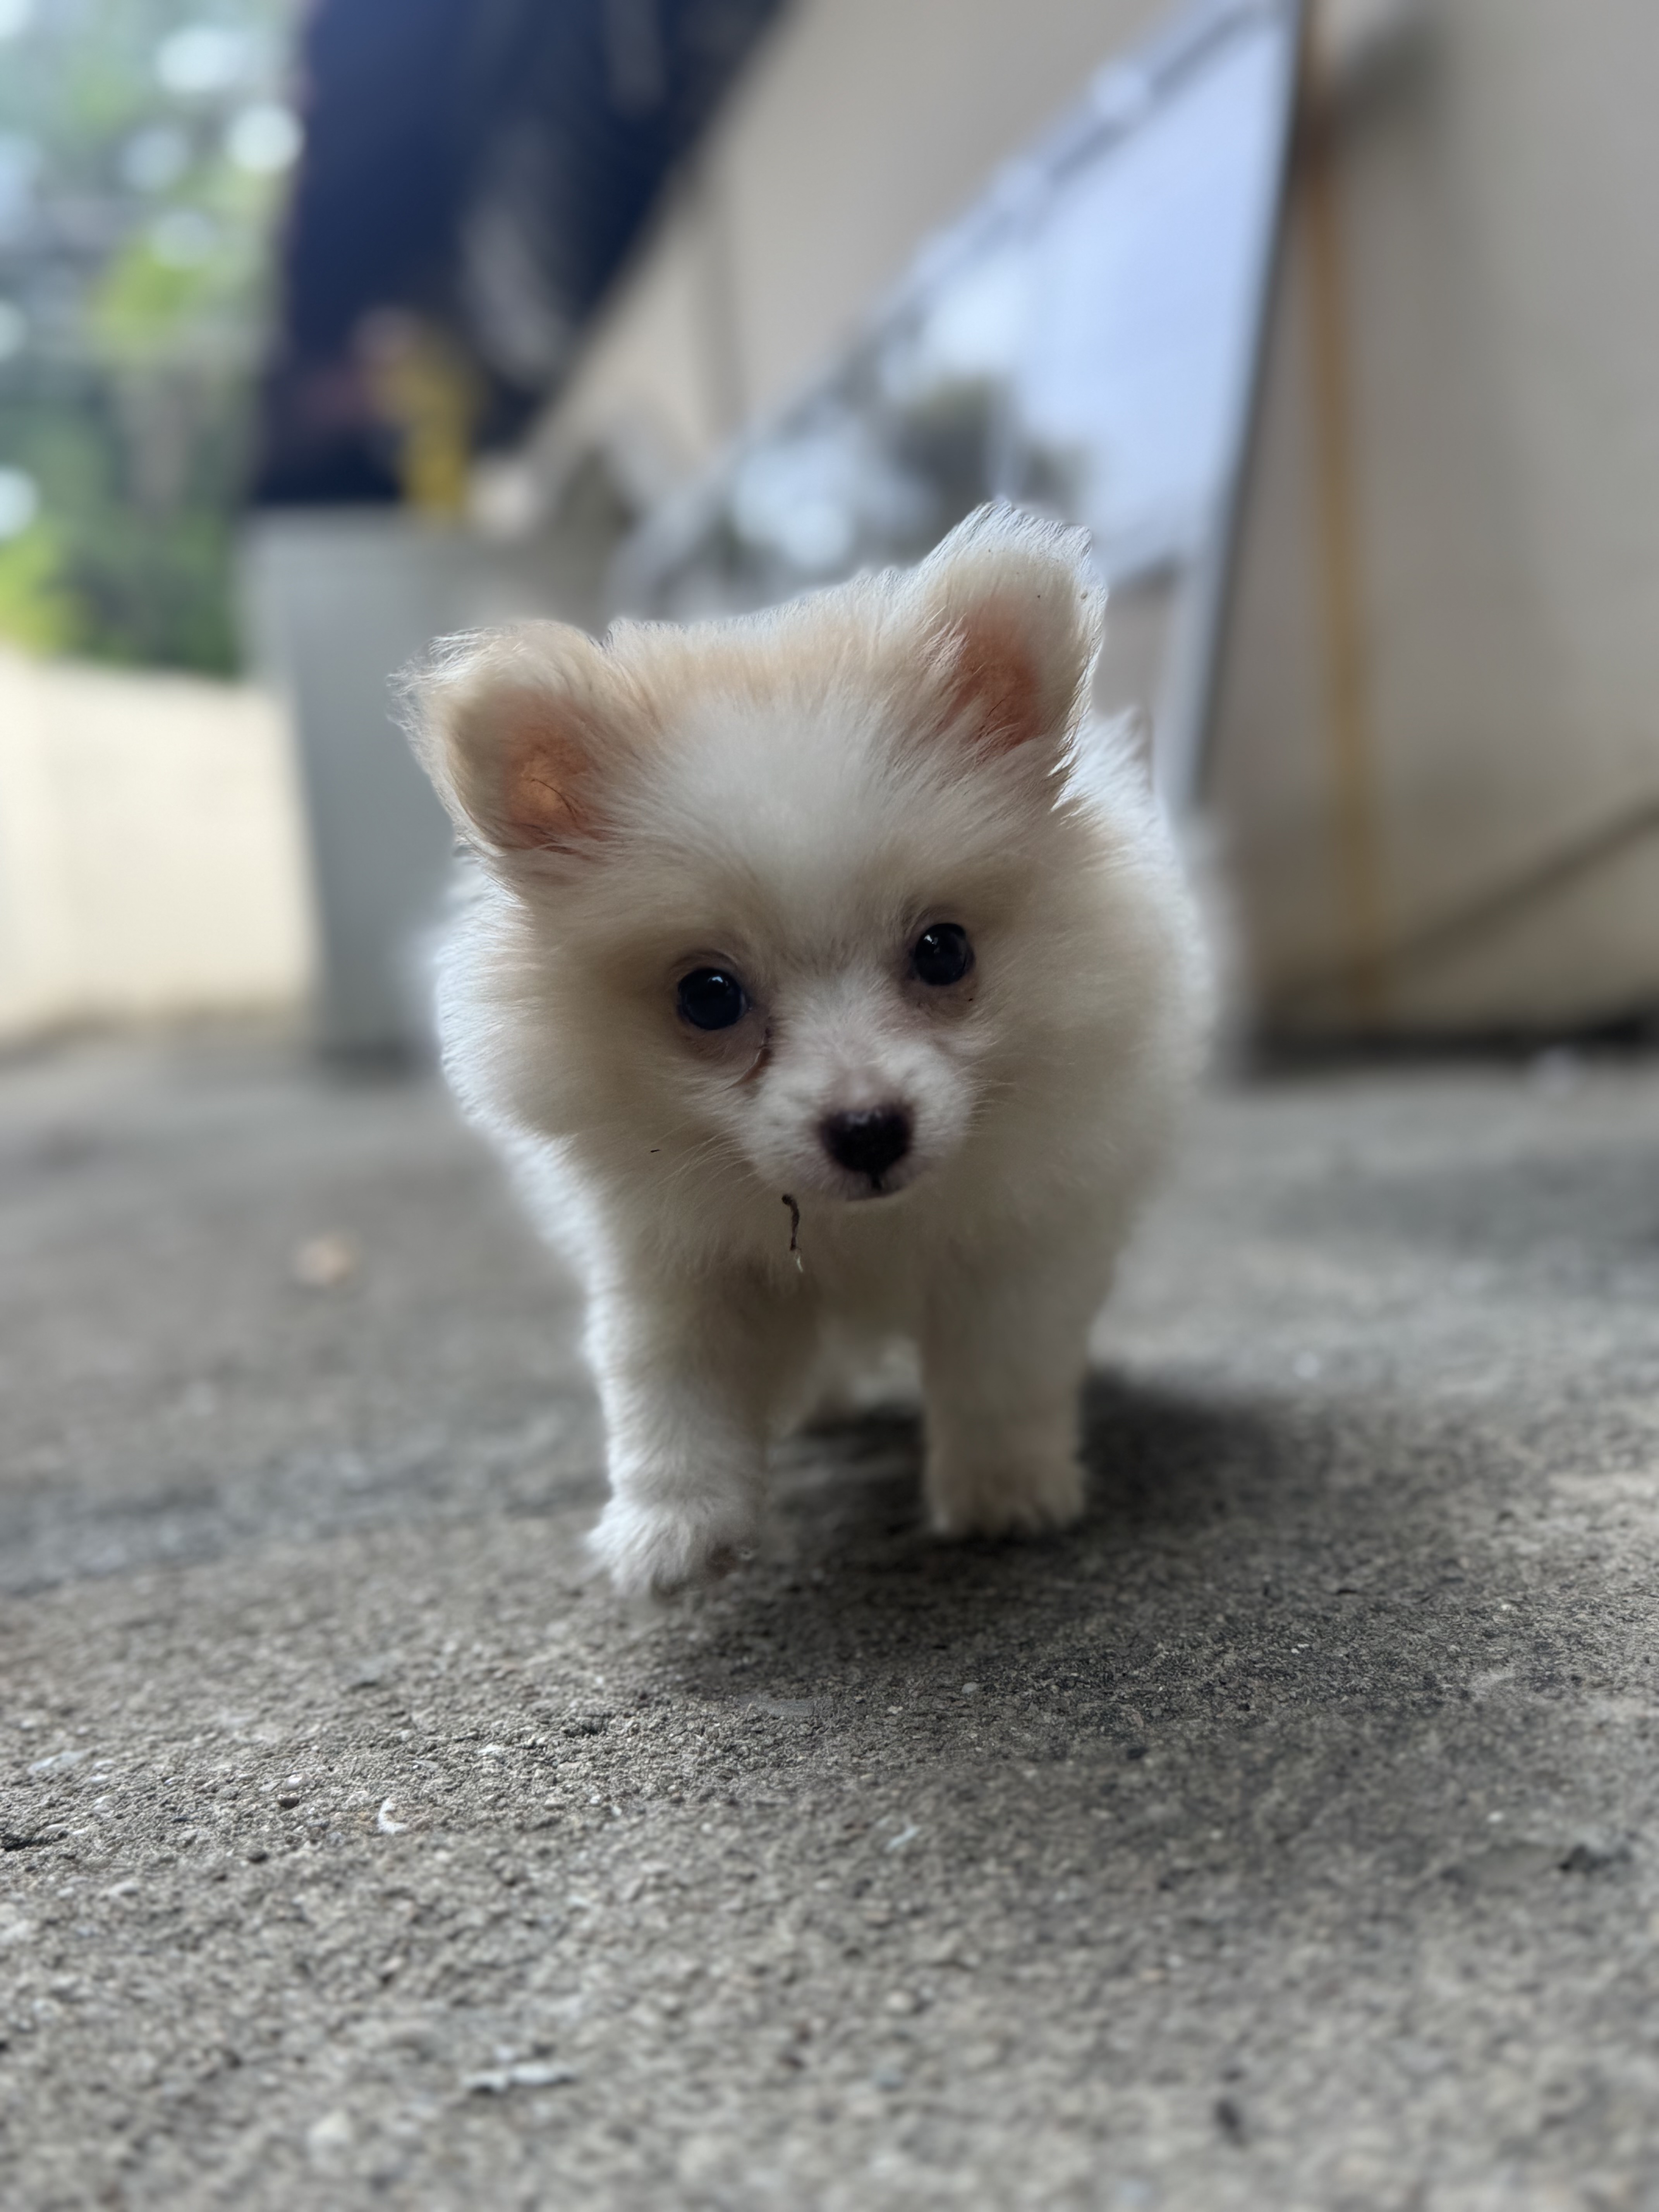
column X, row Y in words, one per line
column 870, row 1142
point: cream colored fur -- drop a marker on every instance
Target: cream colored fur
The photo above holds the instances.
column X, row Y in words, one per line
column 792, row 798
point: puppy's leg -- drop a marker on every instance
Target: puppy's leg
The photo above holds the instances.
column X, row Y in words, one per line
column 688, row 1377
column 1004, row 1352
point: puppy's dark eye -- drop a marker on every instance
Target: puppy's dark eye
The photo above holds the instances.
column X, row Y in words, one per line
column 941, row 955
column 709, row 998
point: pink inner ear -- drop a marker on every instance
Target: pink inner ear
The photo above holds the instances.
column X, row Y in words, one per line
column 994, row 678
column 543, row 759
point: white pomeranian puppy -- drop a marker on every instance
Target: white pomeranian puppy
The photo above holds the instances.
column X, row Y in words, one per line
column 829, row 979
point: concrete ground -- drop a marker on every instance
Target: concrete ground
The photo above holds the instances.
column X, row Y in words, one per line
column 1284, row 1838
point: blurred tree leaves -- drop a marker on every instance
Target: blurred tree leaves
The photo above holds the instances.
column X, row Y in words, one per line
column 36, row 610
column 132, row 269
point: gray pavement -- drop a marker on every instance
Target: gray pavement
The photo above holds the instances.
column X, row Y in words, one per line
column 1287, row 1837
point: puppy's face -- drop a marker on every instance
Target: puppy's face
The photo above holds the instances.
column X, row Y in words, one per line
column 784, row 879
column 804, row 939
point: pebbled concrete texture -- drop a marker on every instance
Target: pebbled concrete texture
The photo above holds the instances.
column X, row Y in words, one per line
column 1283, row 1838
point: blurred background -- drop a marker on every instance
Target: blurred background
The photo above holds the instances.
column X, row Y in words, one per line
column 327, row 328
column 1216, row 1856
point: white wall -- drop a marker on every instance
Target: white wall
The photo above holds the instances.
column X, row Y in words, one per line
column 863, row 126
column 151, row 857
column 1499, row 311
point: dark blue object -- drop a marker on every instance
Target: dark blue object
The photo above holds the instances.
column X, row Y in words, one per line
column 482, row 166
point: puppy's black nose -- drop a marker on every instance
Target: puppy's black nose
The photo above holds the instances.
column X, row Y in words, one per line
column 869, row 1142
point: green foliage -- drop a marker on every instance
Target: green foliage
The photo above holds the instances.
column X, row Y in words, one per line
column 145, row 581
column 36, row 609
column 143, row 305
column 143, row 291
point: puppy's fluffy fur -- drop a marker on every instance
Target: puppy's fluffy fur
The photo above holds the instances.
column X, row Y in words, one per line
column 792, row 800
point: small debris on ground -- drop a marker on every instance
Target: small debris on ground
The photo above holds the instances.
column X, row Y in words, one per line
column 323, row 1263
column 527, row 2073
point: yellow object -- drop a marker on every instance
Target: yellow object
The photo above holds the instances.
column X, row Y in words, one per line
column 425, row 388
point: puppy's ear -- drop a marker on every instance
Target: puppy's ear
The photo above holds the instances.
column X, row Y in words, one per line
column 1013, row 619
column 514, row 727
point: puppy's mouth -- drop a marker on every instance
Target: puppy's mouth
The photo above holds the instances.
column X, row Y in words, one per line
column 829, row 1186
column 871, row 1189
column 878, row 1187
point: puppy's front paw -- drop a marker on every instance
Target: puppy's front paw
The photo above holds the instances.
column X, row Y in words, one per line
column 1018, row 1495
column 653, row 1549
